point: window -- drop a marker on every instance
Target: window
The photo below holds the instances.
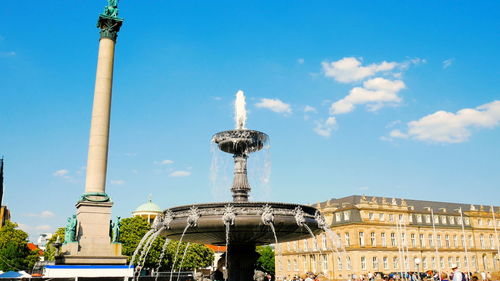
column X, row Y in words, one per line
column 393, row 239
column 481, row 241
column 347, row 239
column 459, row 220
column 305, row 245
column 466, row 262
column 325, row 263
column 362, row 239
column 435, row 219
column 424, row 263
column 471, row 241
column 403, row 239
column 462, row 240
column 457, row 262
column 338, row 217
column 348, row 263
column 304, row 261
column 415, row 263
column 439, row 242
column 407, row 265
column 315, row 243
column 451, row 220
column 339, row 263
column 382, row 237
column 419, row 218
column 395, row 262
column 386, row 263
column 441, row 262
column 427, row 218
column 410, row 217
column 450, row 261
column 447, row 241
column 492, row 243
column 371, row 216
column 289, row 265
column 490, row 223
column 431, row 240
column 467, row 221
column 401, row 218
column 375, row 263
column 433, row 262
column 323, row 241
column 363, row 263
column 413, row 240
column 422, row 241
column 347, row 215
column 474, row 262
column 391, row 217
column 443, row 219
column 381, row 217
column 373, row 240
column 479, row 222
column 339, row 240
column 295, row 264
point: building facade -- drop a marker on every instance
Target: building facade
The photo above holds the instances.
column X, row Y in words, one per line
column 395, row 235
column 148, row 210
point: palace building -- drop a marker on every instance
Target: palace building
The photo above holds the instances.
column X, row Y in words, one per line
column 375, row 234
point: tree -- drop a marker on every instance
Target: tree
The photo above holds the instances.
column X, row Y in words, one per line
column 133, row 229
column 266, row 259
column 14, row 252
column 50, row 251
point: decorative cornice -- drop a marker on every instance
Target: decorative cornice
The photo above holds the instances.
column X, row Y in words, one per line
column 109, row 26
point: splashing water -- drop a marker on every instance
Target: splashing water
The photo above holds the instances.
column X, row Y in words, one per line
column 177, row 251
column 240, row 112
column 163, row 249
column 145, row 251
column 139, row 246
column 182, row 260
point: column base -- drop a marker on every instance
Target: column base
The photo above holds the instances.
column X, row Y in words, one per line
column 241, row 262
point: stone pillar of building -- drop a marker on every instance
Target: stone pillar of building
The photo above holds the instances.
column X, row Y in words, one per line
column 91, row 242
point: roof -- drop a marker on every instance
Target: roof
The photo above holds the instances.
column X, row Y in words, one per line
column 416, row 205
column 148, row 207
column 34, row 247
column 217, row 249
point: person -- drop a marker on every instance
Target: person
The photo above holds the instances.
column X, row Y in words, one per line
column 457, row 274
column 474, row 278
column 218, row 274
column 309, row 278
column 370, row 276
column 483, row 275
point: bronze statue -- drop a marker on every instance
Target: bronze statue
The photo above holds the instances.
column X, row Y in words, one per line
column 111, row 10
column 70, row 233
column 115, row 230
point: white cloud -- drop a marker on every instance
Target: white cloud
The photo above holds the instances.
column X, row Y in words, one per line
column 300, row 60
column 7, row 54
column 325, row 128
column 447, row 63
column 61, row 173
column 180, row 174
column 349, row 69
column 38, row 228
column 167, row 162
column 217, row 98
column 375, row 93
column 44, row 214
column 448, row 127
column 309, row 108
column 275, row 105
column 117, row 182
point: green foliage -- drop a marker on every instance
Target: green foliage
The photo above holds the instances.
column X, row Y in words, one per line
column 266, row 259
column 133, row 229
column 14, row 252
column 50, row 252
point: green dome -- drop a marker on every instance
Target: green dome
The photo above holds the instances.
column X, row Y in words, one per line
column 148, row 207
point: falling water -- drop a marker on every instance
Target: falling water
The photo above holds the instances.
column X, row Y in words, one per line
column 145, row 251
column 221, row 172
column 163, row 249
column 139, row 246
column 240, row 112
column 313, row 237
column 182, row 260
column 227, row 246
column 177, row 250
column 259, row 173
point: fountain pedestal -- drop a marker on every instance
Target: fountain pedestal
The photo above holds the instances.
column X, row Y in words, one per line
column 241, row 264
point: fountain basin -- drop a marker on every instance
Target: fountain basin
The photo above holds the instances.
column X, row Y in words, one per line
column 248, row 226
column 240, row 141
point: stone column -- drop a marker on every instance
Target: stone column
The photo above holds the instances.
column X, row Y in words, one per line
column 99, row 128
column 241, row 186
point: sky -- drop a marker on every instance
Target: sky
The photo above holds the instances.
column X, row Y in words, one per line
column 384, row 98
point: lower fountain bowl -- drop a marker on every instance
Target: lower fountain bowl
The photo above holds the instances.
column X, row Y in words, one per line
column 248, row 227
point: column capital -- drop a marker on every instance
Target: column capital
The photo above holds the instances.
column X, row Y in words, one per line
column 109, row 26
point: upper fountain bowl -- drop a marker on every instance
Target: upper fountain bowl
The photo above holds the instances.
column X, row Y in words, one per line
column 240, row 141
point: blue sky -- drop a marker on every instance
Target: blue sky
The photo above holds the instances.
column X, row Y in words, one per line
column 385, row 98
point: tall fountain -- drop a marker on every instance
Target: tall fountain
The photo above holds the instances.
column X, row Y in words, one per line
column 241, row 225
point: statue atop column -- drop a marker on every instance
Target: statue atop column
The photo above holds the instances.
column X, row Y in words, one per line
column 111, row 10
column 115, row 230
